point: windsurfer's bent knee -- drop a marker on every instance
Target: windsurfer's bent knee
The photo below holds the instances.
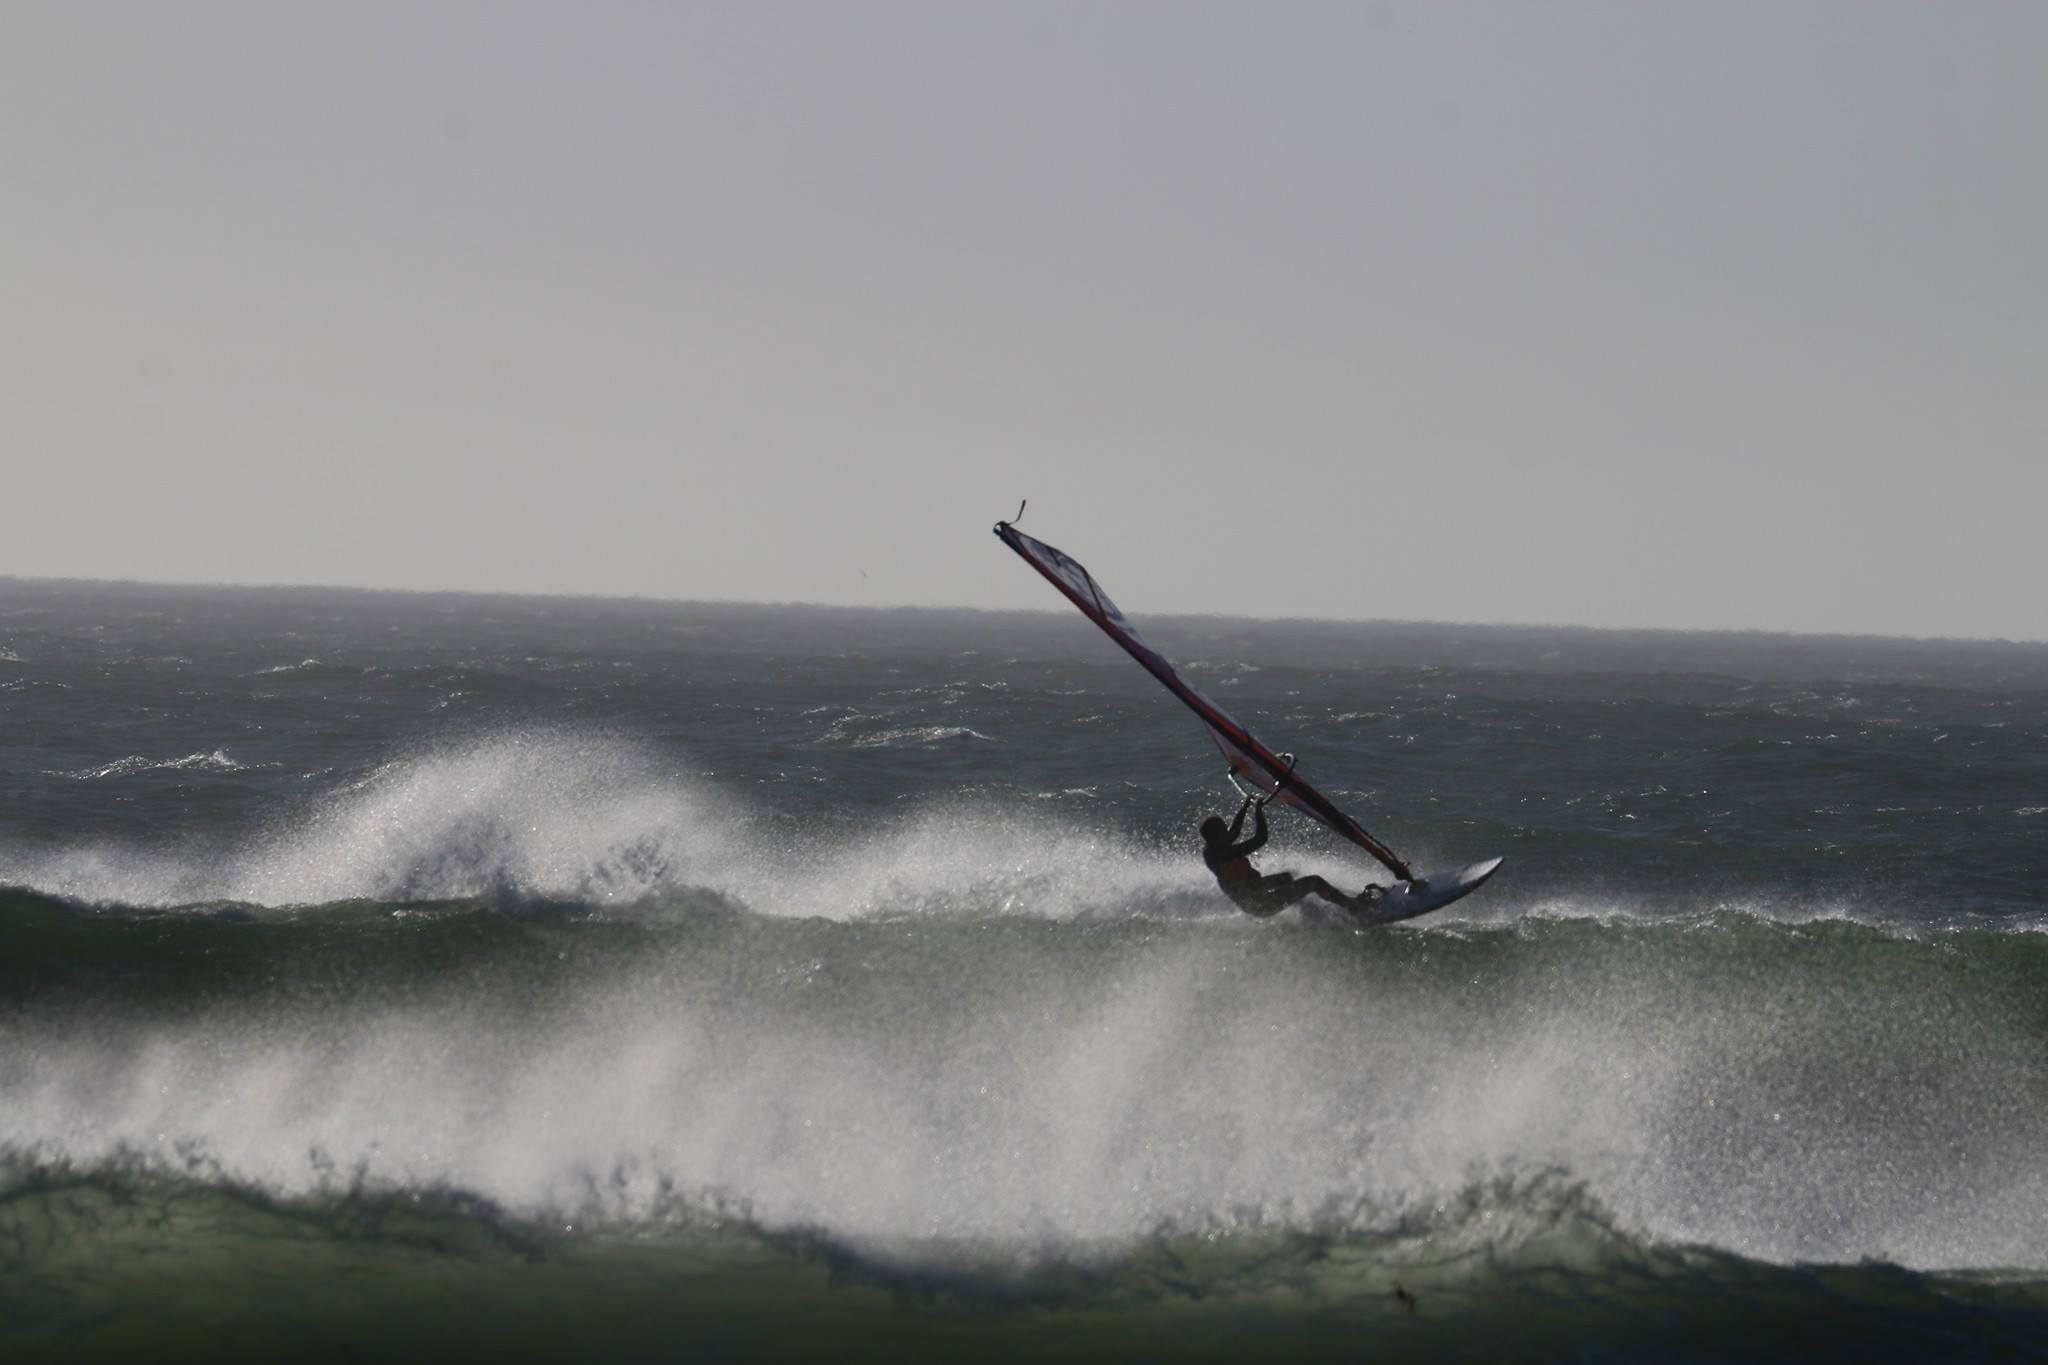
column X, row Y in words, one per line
column 1254, row 893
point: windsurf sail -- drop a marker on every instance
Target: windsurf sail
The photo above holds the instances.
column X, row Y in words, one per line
column 1273, row 774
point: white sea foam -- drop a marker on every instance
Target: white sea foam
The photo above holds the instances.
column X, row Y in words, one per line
column 563, row 816
column 215, row 761
column 1032, row 1089
column 548, row 814
column 921, row 736
column 566, row 816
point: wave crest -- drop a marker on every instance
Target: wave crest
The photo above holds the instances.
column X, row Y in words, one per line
column 215, row 761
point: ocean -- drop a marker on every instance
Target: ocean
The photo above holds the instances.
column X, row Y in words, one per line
column 618, row 980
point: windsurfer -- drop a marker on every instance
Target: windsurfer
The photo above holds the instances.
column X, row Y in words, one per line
column 1256, row 893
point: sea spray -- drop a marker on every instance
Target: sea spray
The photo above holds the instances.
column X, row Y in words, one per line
column 1788, row 1092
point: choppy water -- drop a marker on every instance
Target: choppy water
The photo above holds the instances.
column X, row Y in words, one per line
column 632, row 981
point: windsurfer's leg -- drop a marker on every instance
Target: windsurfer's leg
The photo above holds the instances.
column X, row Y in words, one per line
column 1283, row 889
column 1257, row 904
column 1268, row 895
column 1276, row 891
column 1316, row 886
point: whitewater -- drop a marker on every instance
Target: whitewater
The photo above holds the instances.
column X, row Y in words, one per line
column 638, row 980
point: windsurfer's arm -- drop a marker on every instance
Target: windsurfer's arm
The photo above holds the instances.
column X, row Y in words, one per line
column 1258, row 839
column 1238, row 823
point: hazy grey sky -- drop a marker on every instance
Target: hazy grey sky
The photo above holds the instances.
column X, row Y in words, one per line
column 1620, row 314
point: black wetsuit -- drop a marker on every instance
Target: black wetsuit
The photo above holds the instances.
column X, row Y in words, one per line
column 1254, row 893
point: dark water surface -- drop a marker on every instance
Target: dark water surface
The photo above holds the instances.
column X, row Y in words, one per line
column 633, row 981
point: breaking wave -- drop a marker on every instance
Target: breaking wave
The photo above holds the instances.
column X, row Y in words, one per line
column 591, row 819
column 1820, row 1092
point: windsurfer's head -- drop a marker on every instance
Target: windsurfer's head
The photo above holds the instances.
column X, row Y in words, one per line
column 1214, row 831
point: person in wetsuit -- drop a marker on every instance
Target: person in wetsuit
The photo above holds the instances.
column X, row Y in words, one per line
column 1253, row 892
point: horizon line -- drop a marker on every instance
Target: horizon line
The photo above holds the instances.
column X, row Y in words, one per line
column 58, row 580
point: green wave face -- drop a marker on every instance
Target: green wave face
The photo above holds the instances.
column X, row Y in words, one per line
column 126, row 1261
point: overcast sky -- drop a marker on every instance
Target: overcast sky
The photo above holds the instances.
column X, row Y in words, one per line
column 1689, row 315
